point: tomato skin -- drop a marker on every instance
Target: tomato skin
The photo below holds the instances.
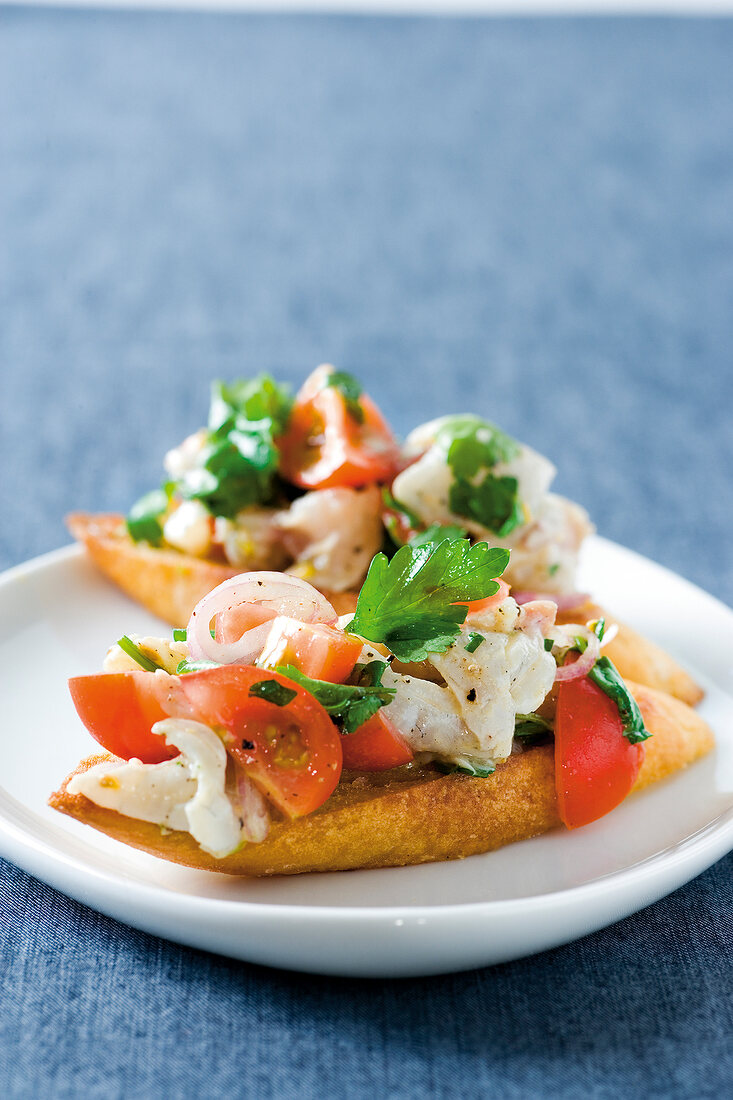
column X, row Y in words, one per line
column 320, row 651
column 326, row 447
column 375, row 746
column 475, row 607
column 595, row 765
column 119, row 708
column 292, row 753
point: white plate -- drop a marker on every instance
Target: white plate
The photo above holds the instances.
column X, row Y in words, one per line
column 58, row 618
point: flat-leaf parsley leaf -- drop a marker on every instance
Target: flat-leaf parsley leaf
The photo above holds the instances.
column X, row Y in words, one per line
column 473, row 447
column 411, row 603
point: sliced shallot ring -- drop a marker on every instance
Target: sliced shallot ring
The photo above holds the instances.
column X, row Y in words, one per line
column 586, row 660
column 276, row 592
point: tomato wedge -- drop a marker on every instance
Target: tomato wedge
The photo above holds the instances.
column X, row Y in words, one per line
column 376, row 746
column 119, row 708
column 330, row 444
column 320, row 651
column 595, row 765
column 291, row 752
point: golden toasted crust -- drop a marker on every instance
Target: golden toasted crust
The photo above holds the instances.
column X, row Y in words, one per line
column 170, row 585
column 412, row 815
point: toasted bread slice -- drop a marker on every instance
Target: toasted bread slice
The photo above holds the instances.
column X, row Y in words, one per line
column 409, row 816
column 165, row 582
column 170, row 585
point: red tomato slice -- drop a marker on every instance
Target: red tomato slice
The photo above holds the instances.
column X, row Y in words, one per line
column 320, row 651
column 119, row 708
column 326, row 446
column 595, row 765
column 292, row 752
column 376, row 746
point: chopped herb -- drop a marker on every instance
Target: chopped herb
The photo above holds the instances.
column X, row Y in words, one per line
column 237, row 465
column 554, row 568
column 474, row 641
column 464, row 765
column 549, row 643
column 179, row 635
column 473, row 443
column 195, row 666
column 132, row 650
column 494, row 503
column 252, row 399
column 605, row 674
column 369, row 674
column 273, row 692
column 531, row 728
column 143, row 521
column 351, row 391
column 472, row 446
column 411, row 602
column 598, row 626
column 349, row 704
column 236, row 469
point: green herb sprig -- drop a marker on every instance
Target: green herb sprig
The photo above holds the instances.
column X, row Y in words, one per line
column 133, row 650
column 351, row 705
column 413, row 603
column 474, row 446
column 238, row 462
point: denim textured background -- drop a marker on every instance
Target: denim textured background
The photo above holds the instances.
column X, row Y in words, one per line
column 533, row 219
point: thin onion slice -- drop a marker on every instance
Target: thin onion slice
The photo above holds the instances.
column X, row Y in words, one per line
column 269, row 594
column 586, row 660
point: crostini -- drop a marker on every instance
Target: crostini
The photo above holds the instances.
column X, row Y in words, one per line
column 439, row 719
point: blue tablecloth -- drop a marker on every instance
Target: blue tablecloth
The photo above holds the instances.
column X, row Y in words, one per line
column 531, row 218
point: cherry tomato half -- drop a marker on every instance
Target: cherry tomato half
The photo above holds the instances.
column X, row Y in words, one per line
column 320, row 651
column 376, row 746
column 119, row 708
column 291, row 752
column 327, row 446
column 595, row 765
